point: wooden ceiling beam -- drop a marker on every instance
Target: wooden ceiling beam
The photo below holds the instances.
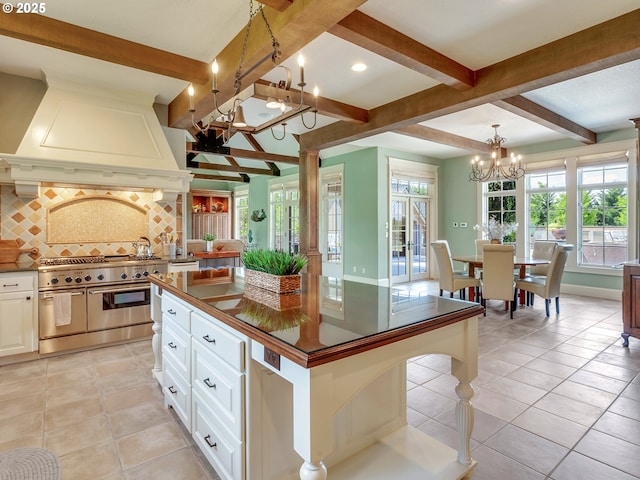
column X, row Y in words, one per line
column 253, row 141
column 221, row 178
column 525, row 108
column 294, row 28
column 234, row 169
column 82, row 41
column 602, row 46
column 326, row 106
column 375, row 36
column 252, row 155
column 445, row 138
column 280, row 5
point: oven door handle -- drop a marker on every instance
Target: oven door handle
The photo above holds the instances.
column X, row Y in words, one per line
column 50, row 295
column 118, row 290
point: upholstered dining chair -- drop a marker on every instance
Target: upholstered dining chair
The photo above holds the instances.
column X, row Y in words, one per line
column 544, row 251
column 481, row 242
column 497, row 275
column 448, row 279
column 548, row 286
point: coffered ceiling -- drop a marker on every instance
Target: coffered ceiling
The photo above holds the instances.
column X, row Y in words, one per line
column 439, row 73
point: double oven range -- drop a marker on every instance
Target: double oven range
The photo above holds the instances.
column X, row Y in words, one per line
column 94, row 300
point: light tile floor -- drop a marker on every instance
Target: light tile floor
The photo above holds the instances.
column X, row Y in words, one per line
column 556, row 398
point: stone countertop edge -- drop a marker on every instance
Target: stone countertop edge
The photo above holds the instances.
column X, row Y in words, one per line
column 28, row 266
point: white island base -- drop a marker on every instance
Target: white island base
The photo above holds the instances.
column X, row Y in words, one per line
column 346, row 419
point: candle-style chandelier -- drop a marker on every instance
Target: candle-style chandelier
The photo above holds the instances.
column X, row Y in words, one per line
column 510, row 168
column 232, row 119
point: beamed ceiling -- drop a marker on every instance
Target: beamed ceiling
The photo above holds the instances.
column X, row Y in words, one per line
column 439, row 73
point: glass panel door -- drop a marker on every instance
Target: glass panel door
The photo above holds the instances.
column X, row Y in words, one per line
column 409, row 239
column 399, row 239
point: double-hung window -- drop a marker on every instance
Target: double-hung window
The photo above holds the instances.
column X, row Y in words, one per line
column 546, row 200
column 603, row 217
column 331, row 215
column 500, row 202
column 242, row 215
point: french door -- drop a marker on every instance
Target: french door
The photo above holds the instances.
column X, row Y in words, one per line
column 409, row 238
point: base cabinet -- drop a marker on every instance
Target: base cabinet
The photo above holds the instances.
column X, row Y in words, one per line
column 204, row 382
column 18, row 313
column 631, row 302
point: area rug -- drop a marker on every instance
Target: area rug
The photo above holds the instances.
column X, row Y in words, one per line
column 29, row 464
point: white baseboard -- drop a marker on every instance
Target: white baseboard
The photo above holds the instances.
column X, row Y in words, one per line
column 597, row 292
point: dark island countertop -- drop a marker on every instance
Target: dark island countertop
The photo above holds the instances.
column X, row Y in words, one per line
column 327, row 320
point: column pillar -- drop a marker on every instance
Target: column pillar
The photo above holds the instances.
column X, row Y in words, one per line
column 309, row 208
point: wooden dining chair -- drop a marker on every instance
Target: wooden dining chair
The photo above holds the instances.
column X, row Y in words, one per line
column 548, row 286
column 542, row 250
column 448, row 279
column 497, row 275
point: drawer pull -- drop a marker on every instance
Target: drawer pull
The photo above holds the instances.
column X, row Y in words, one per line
column 209, row 339
column 173, row 390
column 208, row 440
column 171, row 312
column 171, row 345
column 9, row 285
column 208, row 383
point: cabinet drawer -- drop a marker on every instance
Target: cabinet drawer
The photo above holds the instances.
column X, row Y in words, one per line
column 15, row 284
column 176, row 351
column 224, row 452
column 227, row 346
column 221, row 386
column 177, row 394
column 175, row 312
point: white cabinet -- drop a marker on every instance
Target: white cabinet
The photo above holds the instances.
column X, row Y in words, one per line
column 204, row 382
column 18, row 313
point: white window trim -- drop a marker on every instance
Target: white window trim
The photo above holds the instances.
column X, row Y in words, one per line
column 571, row 156
column 324, row 173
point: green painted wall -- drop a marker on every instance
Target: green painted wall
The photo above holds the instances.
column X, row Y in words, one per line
column 458, row 201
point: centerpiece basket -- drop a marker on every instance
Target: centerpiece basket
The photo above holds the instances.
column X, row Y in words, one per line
column 273, row 277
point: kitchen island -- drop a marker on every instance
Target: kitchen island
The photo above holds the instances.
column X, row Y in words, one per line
column 286, row 387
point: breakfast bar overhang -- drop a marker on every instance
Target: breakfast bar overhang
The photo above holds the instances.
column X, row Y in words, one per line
column 324, row 387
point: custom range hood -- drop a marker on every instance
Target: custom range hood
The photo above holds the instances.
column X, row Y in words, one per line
column 86, row 136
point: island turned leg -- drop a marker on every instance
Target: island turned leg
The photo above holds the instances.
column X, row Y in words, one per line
column 313, row 471
column 464, row 421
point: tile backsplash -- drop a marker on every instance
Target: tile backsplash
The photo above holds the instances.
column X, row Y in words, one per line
column 25, row 219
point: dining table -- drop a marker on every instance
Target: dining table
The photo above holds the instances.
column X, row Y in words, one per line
column 475, row 261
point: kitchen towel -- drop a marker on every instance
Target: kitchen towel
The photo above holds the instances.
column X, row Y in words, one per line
column 62, row 308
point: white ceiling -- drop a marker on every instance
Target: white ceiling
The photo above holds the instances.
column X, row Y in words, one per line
column 474, row 33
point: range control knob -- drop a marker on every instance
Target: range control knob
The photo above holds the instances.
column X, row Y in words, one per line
column 123, row 276
column 156, row 272
column 138, row 275
column 100, row 276
column 68, row 279
column 145, row 273
column 87, row 278
column 78, row 279
column 54, row 281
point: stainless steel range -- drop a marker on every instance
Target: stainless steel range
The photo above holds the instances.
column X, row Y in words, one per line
column 95, row 300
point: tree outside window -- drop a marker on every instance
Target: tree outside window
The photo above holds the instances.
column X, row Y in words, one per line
column 603, row 215
column 547, row 206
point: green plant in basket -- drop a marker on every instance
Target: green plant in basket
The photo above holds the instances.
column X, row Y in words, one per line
column 208, row 237
column 274, row 262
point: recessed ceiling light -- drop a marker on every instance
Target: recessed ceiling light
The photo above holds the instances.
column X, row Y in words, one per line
column 358, row 67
